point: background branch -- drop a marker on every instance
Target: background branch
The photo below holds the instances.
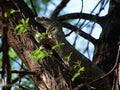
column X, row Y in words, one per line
column 5, row 48
column 80, row 32
column 33, row 7
column 85, row 16
column 59, row 8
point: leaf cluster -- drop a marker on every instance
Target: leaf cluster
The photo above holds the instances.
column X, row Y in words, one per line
column 39, row 54
column 22, row 27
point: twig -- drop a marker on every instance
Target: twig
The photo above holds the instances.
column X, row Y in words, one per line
column 68, row 33
column 76, row 37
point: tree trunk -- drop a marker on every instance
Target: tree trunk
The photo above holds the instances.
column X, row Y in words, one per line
column 51, row 73
column 106, row 48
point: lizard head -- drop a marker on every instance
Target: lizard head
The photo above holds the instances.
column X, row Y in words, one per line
column 53, row 27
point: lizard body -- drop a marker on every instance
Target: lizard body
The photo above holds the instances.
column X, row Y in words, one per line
column 54, row 31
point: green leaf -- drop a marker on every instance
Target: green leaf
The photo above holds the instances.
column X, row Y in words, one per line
column 75, row 76
column 78, row 66
column 18, row 27
column 12, row 11
column 5, row 14
column 27, row 21
column 22, row 21
column 43, row 36
column 35, row 52
column 68, row 57
column 38, row 37
column 42, row 54
column 21, row 30
column 57, row 46
column 82, row 68
column 39, row 54
column 11, row 53
column 22, row 27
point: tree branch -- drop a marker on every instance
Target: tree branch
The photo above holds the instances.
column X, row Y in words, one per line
column 5, row 48
column 33, row 7
column 80, row 32
column 19, row 4
column 59, row 8
column 86, row 16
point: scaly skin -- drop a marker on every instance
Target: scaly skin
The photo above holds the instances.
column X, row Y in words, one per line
column 54, row 31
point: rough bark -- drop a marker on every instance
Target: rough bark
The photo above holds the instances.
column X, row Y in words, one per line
column 106, row 48
column 50, row 73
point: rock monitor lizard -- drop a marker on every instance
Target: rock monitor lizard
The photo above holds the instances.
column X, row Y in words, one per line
column 55, row 33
